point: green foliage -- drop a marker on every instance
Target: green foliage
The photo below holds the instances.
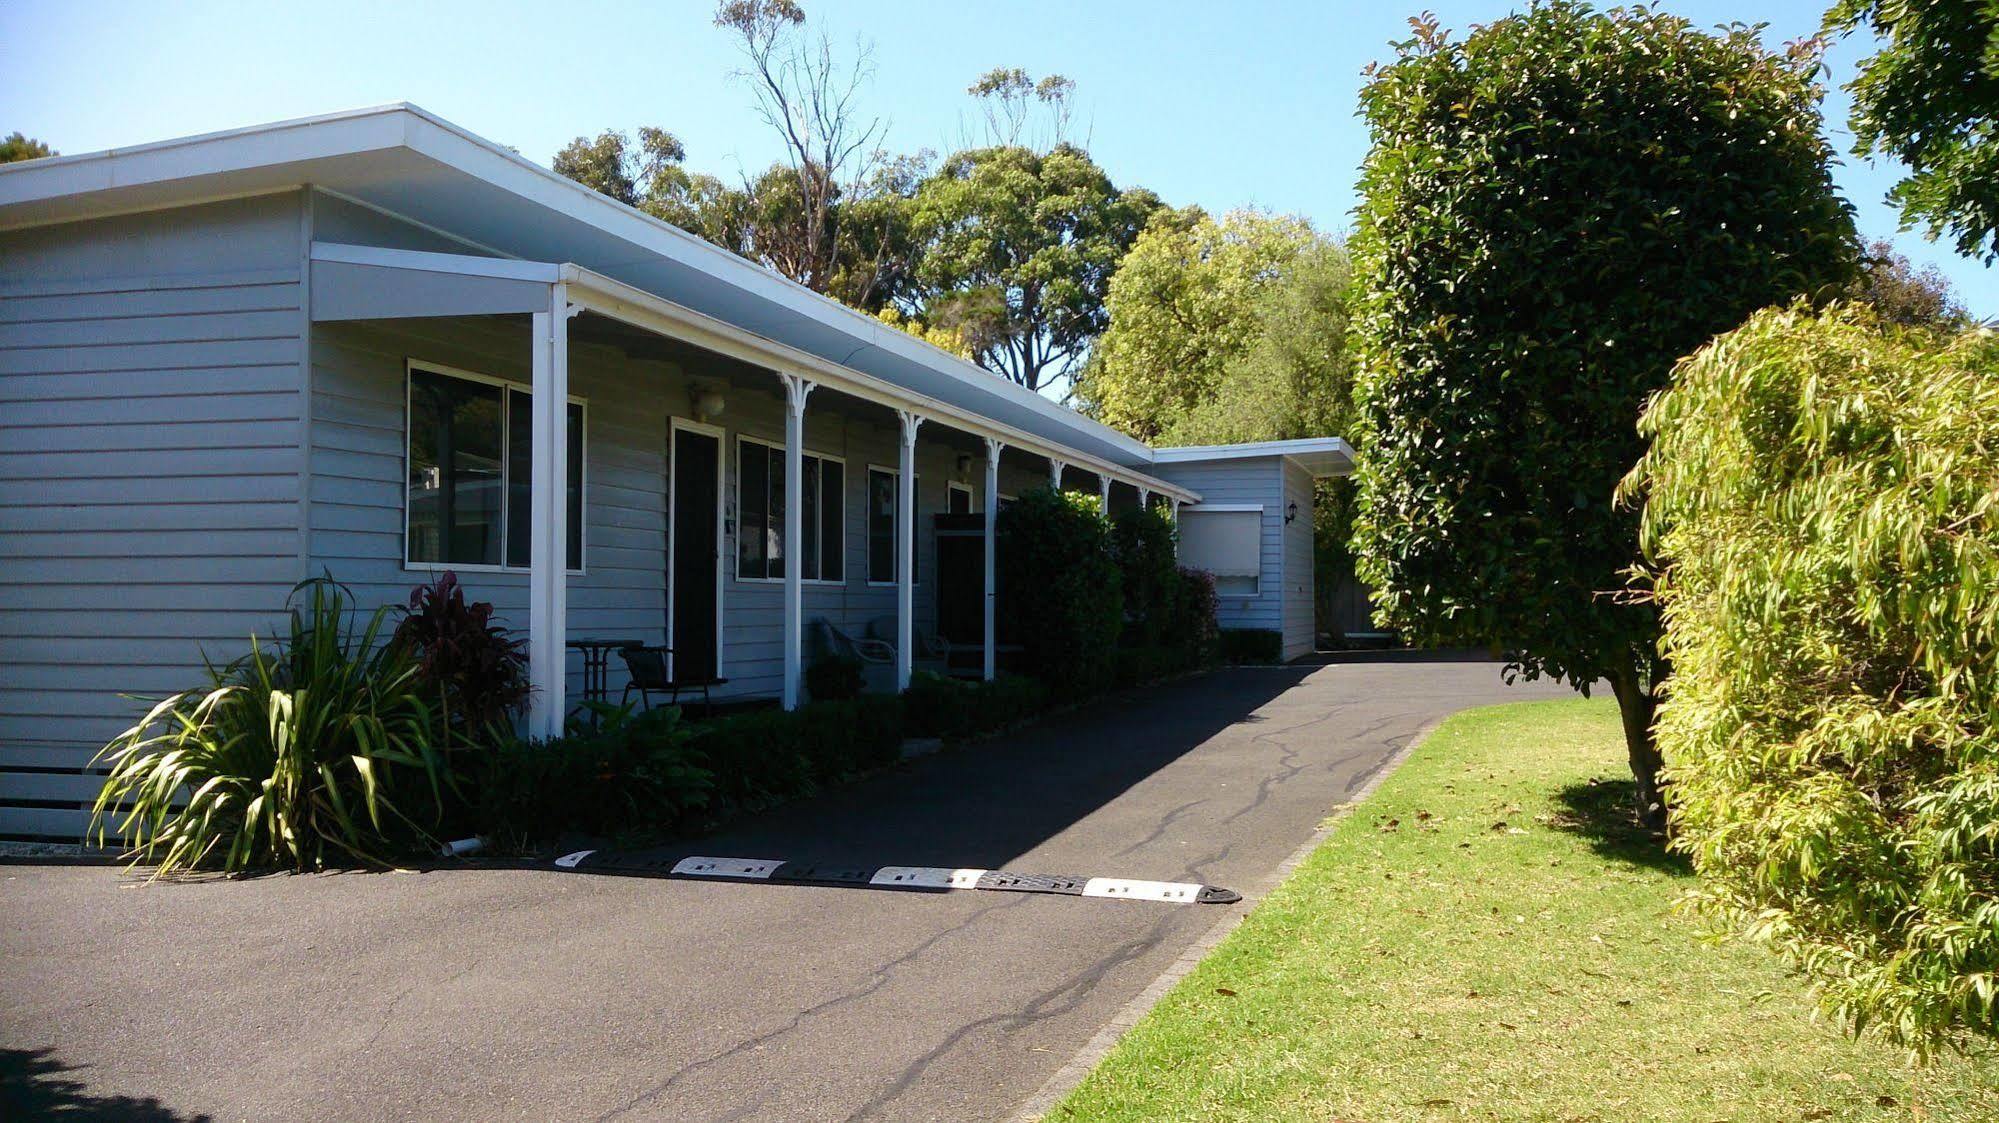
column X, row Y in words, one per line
column 1060, row 590
column 834, row 678
column 1930, row 99
column 765, row 757
column 613, row 772
column 1252, row 645
column 1900, row 293
column 1018, row 251
column 1191, row 626
column 467, row 666
column 960, row 709
column 16, row 146
column 1186, row 303
column 1554, row 211
column 1825, row 495
column 316, row 752
column 1143, row 544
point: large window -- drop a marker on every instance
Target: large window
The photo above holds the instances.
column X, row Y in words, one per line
column 760, row 552
column 471, row 442
column 1227, row 542
column 881, row 527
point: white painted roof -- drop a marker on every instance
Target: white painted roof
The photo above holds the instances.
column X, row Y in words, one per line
column 1321, row 456
column 410, row 162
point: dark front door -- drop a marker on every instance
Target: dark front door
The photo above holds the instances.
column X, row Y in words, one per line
column 697, row 495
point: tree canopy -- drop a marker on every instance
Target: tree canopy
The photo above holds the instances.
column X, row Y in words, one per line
column 1902, row 294
column 1554, row 210
column 16, row 146
column 1930, row 98
column 1018, row 252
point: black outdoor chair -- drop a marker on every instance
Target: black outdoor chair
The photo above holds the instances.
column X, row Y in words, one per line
column 647, row 673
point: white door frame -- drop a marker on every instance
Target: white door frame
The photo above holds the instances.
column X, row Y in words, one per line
column 971, row 497
column 673, row 524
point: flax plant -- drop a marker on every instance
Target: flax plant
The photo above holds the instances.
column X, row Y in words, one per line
column 316, row 751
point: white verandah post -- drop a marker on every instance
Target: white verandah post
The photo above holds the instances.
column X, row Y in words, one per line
column 1055, row 468
column 993, row 450
column 1104, row 495
column 548, row 506
column 905, row 550
column 796, row 390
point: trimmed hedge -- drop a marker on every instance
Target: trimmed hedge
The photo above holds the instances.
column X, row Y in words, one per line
column 1061, row 589
column 1824, row 494
column 1252, row 645
column 958, row 709
column 765, row 757
column 655, row 773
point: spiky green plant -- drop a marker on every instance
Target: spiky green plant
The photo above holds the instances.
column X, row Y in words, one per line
column 316, row 751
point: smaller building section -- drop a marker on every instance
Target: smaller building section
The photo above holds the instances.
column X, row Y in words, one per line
column 1253, row 527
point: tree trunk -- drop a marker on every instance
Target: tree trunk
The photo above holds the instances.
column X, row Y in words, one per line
column 1637, row 706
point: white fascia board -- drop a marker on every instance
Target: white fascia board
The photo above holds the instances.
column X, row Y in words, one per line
column 611, row 297
column 209, row 154
column 1320, row 456
column 424, row 261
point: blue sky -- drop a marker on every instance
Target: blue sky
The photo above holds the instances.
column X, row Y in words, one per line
column 1219, row 104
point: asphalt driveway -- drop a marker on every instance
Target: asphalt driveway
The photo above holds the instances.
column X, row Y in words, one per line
column 510, row 994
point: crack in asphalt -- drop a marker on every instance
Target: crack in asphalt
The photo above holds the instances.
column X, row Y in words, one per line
column 877, row 981
column 1050, row 1003
column 1288, row 765
column 1165, row 821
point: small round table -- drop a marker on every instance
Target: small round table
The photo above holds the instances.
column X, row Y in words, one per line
column 597, row 664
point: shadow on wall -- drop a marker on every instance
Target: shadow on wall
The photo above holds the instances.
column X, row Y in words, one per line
column 985, row 804
column 33, row 1085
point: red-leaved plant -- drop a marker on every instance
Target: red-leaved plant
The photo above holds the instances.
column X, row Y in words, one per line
column 470, row 664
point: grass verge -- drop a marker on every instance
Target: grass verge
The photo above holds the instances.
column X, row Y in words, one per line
column 1491, row 938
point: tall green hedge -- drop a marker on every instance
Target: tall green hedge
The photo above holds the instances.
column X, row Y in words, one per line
column 1060, row 589
column 1824, row 495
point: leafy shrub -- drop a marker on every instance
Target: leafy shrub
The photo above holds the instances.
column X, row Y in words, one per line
column 315, row 752
column 1142, row 544
column 1136, row 666
column 1252, row 645
column 834, row 678
column 632, row 772
column 959, row 709
column 1556, row 208
column 765, row 757
column 1060, row 589
column 467, row 664
column 1191, row 624
column 1825, row 497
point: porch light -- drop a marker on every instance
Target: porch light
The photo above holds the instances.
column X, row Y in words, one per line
column 1290, row 512
column 709, row 404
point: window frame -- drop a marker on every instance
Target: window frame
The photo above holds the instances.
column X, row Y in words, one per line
column 1258, row 509
column 410, row 367
column 736, row 567
column 971, row 497
column 916, row 538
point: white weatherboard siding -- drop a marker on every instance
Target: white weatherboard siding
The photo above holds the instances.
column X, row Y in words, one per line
column 1260, row 482
column 150, row 429
column 1300, row 611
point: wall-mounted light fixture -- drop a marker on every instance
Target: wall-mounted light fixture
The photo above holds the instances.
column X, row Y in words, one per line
column 1290, row 512
column 964, row 464
column 709, row 403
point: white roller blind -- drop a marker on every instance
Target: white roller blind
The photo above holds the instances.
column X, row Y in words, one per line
column 1225, row 543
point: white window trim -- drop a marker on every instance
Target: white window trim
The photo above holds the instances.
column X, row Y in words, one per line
column 1233, row 508
column 971, row 497
column 736, row 561
column 410, row 366
column 916, row 500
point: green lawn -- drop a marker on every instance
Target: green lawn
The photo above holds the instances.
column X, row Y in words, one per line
column 1487, row 938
